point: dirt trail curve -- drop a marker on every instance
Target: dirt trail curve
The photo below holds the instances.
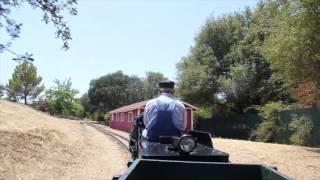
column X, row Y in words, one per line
column 34, row 145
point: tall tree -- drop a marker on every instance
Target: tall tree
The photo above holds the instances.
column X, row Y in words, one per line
column 250, row 72
column 114, row 90
column 227, row 56
column 198, row 76
column 134, row 90
column 293, row 48
column 151, row 84
column 25, row 83
column 200, row 71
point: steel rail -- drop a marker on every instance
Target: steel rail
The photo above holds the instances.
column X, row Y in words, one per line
column 124, row 141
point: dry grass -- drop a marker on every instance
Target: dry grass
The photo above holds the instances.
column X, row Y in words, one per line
column 36, row 146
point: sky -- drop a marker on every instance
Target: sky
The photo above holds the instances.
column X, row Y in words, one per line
column 109, row 35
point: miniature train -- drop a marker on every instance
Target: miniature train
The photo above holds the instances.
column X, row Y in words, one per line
column 191, row 156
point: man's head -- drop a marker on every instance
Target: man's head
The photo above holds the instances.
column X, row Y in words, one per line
column 166, row 86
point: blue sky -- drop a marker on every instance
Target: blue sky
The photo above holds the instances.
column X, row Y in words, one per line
column 132, row 36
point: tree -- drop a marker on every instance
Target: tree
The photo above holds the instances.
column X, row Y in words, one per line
column 52, row 12
column 237, row 86
column 293, row 48
column 62, row 99
column 200, row 71
column 114, row 90
column 151, row 84
column 25, row 83
column 197, row 81
column 258, row 83
column 227, row 60
column 134, row 90
column 1, row 90
column 84, row 100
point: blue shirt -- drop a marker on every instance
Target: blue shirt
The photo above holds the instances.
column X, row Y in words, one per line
column 179, row 114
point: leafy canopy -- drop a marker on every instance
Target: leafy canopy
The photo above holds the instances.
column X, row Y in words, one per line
column 151, row 84
column 227, row 59
column 62, row 99
column 118, row 89
column 293, row 47
column 114, row 90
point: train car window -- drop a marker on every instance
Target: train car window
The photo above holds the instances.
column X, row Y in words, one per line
column 122, row 116
column 130, row 117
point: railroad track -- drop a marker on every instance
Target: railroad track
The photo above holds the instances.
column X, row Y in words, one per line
column 123, row 141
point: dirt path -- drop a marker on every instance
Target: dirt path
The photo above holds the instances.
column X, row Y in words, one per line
column 296, row 161
column 36, row 146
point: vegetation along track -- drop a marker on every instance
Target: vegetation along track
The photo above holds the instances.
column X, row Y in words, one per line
column 124, row 141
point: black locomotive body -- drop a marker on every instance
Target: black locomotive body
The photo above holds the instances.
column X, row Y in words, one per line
column 189, row 157
column 175, row 148
column 169, row 148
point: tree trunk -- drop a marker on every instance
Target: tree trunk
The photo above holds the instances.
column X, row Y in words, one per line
column 25, row 99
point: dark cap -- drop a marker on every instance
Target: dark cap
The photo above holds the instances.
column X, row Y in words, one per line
column 166, row 84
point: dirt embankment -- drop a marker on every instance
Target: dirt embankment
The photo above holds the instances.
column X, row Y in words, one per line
column 34, row 145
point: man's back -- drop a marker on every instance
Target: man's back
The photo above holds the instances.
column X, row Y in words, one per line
column 164, row 115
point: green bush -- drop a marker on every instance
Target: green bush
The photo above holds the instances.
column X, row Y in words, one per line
column 61, row 99
column 1, row 90
column 100, row 117
column 77, row 109
column 302, row 129
column 203, row 113
column 93, row 116
column 106, row 118
column 272, row 128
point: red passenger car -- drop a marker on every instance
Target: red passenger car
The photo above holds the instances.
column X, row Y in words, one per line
column 122, row 118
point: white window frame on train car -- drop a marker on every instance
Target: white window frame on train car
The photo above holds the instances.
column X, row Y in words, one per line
column 130, row 119
column 122, row 116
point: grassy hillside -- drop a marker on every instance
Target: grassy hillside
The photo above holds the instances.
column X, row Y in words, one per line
column 34, row 145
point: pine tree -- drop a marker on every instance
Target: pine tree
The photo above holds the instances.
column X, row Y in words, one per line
column 25, row 83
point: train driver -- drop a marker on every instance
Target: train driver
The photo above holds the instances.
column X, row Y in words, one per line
column 164, row 115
